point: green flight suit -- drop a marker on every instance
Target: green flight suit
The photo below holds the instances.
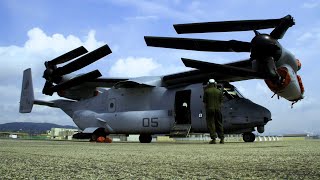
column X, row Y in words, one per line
column 213, row 99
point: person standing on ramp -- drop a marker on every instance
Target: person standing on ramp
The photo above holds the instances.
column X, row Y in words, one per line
column 212, row 100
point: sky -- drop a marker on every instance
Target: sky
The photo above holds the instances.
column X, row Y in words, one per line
column 36, row 31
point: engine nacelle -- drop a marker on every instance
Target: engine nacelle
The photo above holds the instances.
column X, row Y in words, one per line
column 291, row 87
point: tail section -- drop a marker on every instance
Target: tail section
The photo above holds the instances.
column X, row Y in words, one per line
column 27, row 94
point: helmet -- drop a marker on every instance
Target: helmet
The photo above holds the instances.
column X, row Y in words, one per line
column 212, row 81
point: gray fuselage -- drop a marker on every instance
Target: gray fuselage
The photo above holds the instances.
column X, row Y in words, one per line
column 155, row 110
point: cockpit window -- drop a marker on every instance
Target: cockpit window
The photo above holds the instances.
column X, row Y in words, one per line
column 238, row 93
column 232, row 93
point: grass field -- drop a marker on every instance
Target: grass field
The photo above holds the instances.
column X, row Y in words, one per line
column 24, row 159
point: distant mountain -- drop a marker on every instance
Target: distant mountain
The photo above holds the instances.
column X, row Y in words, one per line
column 31, row 128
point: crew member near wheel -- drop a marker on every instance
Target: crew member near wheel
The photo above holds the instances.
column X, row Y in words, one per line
column 212, row 99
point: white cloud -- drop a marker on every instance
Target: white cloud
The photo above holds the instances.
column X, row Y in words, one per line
column 39, row 41
column 142, row 18
column 141, row 66
column 91, row 43
column 310, row 5
column 133, row 67
column 156, row 8
column 309, row 37
column 38, row 48
column 305, row 37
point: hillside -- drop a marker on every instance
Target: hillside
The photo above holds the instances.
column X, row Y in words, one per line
column 30, row 127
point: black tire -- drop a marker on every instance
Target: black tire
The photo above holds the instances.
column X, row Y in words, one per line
column 145, row 138
column 93, row 138
column 248, row 137
column 253, row 137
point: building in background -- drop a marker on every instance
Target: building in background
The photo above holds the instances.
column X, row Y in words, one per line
column 62, row 133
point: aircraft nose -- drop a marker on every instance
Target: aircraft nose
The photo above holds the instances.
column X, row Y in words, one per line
column 257, row 112
column 261, row 111
column 266, row 113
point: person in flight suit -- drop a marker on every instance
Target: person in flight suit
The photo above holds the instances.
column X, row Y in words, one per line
column 212, row 100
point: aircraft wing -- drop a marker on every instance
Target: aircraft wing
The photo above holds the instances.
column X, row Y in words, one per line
column 104, row 82
column 188, row 77
column 144, row 81
column 194, row 76
column 230, row 72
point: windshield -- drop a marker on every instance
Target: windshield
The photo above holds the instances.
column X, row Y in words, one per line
column 238, row 93
column 232, row 92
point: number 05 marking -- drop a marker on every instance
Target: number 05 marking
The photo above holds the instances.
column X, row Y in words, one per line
column 147, row 122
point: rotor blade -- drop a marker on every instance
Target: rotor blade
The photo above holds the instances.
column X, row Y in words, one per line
column 83, row 61
column 76, row 81
column 224, row 69
column 282, row 28
column 46, row 88
column 68, row 56
column 226, row 26
column 198, row 44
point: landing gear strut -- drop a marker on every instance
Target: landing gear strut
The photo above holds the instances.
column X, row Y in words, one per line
column 145, row 138
column 248, row 137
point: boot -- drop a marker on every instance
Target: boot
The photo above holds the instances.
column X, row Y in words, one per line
column 213, row 141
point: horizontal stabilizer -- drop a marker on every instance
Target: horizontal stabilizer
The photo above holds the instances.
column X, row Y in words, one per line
column 198, row 44
column 45, row 103
column 220, row 68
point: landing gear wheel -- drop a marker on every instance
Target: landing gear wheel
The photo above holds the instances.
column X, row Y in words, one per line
column 93, row 138
column 248, row 137
column 145, row 138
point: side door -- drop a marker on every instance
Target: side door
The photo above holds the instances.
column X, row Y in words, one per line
column 182, row 107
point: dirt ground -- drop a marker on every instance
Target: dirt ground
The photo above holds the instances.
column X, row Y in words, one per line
column 25, row 159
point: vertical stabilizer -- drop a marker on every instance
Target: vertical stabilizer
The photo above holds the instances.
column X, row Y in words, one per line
column 27, row 95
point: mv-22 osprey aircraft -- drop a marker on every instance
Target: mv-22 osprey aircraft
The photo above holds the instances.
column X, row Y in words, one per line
column 172, row 104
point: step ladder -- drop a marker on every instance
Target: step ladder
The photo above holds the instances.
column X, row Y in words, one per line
column 180, row 130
